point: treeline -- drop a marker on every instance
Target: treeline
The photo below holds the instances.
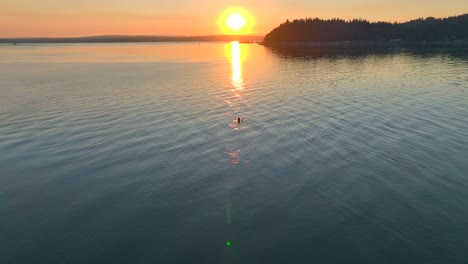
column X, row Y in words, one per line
column 314, row 30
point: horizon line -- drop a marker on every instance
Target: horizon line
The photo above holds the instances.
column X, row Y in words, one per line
column 140, row 36
column 221, row 34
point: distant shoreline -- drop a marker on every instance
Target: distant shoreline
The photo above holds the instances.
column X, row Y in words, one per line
column 358, row 44
column 315, row 32
column 123, row 39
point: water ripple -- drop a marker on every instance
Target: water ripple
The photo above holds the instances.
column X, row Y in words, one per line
column 140, row 158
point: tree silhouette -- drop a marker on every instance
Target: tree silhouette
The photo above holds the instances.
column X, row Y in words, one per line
column 314, row 30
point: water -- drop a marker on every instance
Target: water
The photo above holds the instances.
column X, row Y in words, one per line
column 129, row 153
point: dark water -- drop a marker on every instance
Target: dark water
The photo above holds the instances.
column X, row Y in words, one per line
column 129, row 153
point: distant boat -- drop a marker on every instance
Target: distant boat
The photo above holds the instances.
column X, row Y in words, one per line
column 14, row 44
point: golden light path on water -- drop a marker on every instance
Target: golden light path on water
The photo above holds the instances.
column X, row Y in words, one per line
column 234, row 52
column 236, row 65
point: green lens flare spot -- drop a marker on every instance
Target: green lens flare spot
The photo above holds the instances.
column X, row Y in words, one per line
column 228, row 243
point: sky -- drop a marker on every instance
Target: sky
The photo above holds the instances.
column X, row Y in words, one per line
column 65, row 18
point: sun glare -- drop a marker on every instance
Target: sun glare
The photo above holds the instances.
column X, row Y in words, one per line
column 236, row 20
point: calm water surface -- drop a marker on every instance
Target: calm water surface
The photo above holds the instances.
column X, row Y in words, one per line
column 129, row 153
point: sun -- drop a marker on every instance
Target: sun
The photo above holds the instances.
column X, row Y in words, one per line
column 236, row 20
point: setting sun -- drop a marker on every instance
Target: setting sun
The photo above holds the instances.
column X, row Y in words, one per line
column 236, row 20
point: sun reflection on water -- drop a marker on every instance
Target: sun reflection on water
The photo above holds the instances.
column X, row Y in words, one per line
column 236, row 65
column 236, row 55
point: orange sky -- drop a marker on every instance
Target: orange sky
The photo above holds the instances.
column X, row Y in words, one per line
column 61, row 18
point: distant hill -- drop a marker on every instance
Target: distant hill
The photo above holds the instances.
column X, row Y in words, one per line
column 338, row 30
column 108, row 39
